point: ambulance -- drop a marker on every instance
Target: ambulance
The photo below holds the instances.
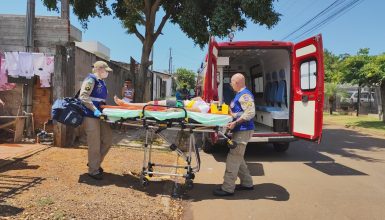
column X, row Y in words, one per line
column 286, row 79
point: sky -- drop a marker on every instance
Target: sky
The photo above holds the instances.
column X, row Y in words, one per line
column 360, row 27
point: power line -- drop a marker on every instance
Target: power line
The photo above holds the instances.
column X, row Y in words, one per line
column 332, row 17
column 334, row 4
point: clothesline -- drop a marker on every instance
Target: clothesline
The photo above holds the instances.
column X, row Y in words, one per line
column 28, row 64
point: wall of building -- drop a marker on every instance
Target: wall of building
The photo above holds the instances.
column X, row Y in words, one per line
column 115, row 81
column 48, row 32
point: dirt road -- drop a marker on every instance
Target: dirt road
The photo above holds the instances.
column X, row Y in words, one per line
column 53, row 184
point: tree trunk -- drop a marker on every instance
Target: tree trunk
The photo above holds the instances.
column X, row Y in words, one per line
column 382, row 91
column 143, row 80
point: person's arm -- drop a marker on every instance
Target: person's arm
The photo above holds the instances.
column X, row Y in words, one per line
column 2, row 103
column 85, row 92
column 247, row 104
column 248, row 107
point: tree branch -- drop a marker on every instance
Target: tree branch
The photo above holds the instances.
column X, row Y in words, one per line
column 147, row 8
column 138, row 35
column 161, row 25
column 154, row 7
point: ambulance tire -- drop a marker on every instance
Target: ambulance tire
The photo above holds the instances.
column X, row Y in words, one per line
column 281, row 146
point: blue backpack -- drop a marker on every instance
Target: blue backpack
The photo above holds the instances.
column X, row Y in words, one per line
column 68, row 111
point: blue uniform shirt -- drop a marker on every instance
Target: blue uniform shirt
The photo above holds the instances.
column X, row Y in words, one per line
column 98, row 95
column 237, row 110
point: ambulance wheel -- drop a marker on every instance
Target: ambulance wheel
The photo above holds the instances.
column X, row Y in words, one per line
column 281, row 147
column 189, row 184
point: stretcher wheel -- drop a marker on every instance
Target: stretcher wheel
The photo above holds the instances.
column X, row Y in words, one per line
column 150, row 169
column 144, row 181
column 189, row 184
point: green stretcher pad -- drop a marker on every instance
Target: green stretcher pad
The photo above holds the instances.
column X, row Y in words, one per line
column 202, row 118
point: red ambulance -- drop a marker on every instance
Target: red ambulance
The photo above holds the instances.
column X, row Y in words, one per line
column 287, row 80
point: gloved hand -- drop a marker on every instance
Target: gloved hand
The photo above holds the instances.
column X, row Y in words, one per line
column 97, row 113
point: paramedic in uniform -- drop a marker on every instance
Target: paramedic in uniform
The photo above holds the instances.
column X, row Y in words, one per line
column 93, row 94
column 243, row 112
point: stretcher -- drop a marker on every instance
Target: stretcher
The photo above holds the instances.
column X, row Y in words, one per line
column 156, row 122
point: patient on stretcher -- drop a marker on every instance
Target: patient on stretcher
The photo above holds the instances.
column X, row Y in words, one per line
column 196, row 104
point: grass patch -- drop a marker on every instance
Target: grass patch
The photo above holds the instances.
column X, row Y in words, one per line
column 44, row 201
column 363, row 121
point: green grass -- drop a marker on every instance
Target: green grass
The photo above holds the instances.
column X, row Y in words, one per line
column 369, row 123
column 44, row 201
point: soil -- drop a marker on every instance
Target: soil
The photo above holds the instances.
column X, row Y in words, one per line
column 54, row 184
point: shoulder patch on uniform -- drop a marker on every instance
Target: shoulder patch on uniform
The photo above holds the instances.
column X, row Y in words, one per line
column 87, row 88
column 246, row 97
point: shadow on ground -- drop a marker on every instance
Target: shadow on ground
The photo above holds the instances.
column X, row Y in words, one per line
column 155, row 187
column 268, row 191
column 340, row 142
column 11, row 186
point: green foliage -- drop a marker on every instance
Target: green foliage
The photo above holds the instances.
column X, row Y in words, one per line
column 185, row 77
column 83, row 9
column 361, row 69
column 198, row 19
column 332, row 62
column 332, row 90
column 353, row 68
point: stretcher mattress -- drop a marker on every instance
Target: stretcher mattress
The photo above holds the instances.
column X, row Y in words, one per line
column 207, row 119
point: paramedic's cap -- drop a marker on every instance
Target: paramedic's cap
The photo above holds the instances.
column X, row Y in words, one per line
column 102, row 64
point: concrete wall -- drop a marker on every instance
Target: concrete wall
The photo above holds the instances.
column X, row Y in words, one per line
column 48, row 32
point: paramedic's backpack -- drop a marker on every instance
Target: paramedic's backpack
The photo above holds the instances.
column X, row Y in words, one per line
column 68, row 111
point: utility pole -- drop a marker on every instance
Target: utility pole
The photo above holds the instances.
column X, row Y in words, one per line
column 170, row 62
column 65, row 14
column 29, row 47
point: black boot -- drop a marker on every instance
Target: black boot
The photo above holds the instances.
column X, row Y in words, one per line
column 220, row 192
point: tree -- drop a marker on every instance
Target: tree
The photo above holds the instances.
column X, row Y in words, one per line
column 332, row 91
column 332, row 65
column 185, row 77
column 354, row 72
column 198, row 19
column 376, row 73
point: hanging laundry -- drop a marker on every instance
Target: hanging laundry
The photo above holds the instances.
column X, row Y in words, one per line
column 12, row 64
column 4, row 85
column 26, row 65
column 50, row 64
column 45, row 77
column 38, row 61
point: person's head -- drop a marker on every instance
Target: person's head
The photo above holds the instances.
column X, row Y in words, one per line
column 237, row 82
column 101, row 69
column 128, row 83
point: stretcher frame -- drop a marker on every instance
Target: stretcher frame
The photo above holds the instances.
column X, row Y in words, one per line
column 155, row 127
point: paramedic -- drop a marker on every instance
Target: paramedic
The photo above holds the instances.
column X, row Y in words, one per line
column 243, row 112
column 93, row 93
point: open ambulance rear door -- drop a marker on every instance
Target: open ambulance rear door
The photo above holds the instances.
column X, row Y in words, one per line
column 307, row 89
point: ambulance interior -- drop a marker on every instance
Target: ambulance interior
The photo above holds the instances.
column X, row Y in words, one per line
column 267, row 73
